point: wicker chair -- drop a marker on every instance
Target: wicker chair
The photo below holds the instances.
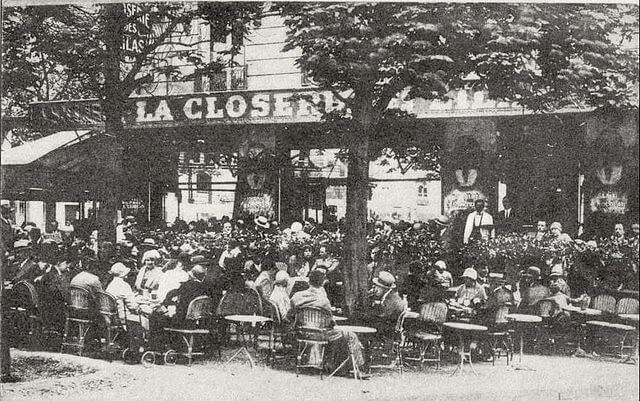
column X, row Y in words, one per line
column 278, row 332
column 429, row 335
column 246, row 302
column 549, row 333
column 23, row 312
column 113, row 326
column 499, row 335
column 627, row 306
column 606, row 304
column 313, row 330
column 199, row 315
column 79, row 314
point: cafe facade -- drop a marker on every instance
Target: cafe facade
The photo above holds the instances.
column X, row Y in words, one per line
column 191, row 147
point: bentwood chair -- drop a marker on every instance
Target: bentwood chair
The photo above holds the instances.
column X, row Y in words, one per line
column 313, row 333
column 114, row 327
column 278, row 333
column 606, row 304
column 23, row 312
column 428, row 337
column 79, row 317
column 499, row 335
column 197, row 323
column 627, row 306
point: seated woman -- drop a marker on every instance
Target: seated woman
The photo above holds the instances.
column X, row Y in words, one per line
column 280, row 295
column 561, row 316
column 128, row 308
column 148, row 277
column 470, row 296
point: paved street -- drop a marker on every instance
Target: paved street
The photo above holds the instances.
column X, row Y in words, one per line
column 553, row 378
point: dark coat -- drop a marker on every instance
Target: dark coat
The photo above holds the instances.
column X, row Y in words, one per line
column 187, row 292
column 54, row 292
column 508, row 225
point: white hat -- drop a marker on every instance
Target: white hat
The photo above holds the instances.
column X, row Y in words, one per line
column 282, row 277
column 470, row 273
column 149, row 242
column 153, row 254
column 119, row 269
column 5, row 204
column 262, row 221
column 556, row 270
column 441, row 264
column 296, row 227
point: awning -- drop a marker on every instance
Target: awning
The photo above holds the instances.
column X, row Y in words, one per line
column 34, row 150
column 67, row 165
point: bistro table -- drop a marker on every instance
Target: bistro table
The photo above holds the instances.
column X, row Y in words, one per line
column 582, row 314
column 464, row 330
column 340, row 318
column 629, row 317
column 358, row 330
column 522, row 320
column 239, row 320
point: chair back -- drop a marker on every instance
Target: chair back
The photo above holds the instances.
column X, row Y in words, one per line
column 503, row 296
column 79, row 298
column 200, row 308
column 271, row 311
column 434, row 312
column 501, row 313
column 231, row 303
column 546, row 308
column 313, row 318
column 627, row 306
column 24, row 294
column 108, row 306
column 252, row 302
column 604, row 303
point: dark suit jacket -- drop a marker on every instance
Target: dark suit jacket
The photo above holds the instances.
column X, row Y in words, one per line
column 54, row 292
column 186, row 293
column 512, row 224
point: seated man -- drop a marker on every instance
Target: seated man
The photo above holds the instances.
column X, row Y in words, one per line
column 341, row 343
column 88, row 279
column 386, row 307
column 128, row 309
column 187, row 292
column 531, row 291
column 557, row 277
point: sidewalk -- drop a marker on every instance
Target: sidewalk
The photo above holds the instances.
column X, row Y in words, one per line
column 553, row 378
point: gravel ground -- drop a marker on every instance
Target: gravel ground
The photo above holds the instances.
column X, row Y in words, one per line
column 548, row 378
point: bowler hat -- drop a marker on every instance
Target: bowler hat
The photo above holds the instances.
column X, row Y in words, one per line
column 262, row 221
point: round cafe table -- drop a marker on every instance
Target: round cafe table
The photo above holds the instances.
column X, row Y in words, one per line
column 464, row 330
column 521, row 319
column 358, row 330
column 240, row 320
column 340, row 318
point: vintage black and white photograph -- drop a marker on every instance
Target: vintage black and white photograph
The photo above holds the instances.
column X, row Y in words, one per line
column 319, row 200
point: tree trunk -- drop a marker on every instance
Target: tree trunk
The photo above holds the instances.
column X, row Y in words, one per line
column 5, row 354
column 113, row 103
column 356, row 275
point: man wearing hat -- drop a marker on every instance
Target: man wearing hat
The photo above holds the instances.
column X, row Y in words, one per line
column 387, row 305
column 188, row 291
column 262, row 223
column 173, row 277
column 531, row 291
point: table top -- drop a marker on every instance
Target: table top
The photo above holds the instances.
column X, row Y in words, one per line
column 633, row 317
column 588, row 311
column 464, row 326
column 522, row 318
column 356, row 329
column 412, row 315
column 340, row 318
column 608, row 325
column 247, row 318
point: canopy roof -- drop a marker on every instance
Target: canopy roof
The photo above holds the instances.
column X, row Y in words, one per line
column 31, row 151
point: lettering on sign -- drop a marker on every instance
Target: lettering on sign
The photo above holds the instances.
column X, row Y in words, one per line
column 609, row 202
column 226, row 106
column 461, row 200
column 260, row 205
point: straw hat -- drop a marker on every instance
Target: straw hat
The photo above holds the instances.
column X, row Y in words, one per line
column 556, row 270
column 533, row 271
column 385, row 280
column 442, row 220
column 471, row 273
column 149, row 242
column 262, row 221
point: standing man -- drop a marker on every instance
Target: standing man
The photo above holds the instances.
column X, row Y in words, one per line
column 508, row 220
column 479, row 225
column 7, row 233
column 541, row 231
